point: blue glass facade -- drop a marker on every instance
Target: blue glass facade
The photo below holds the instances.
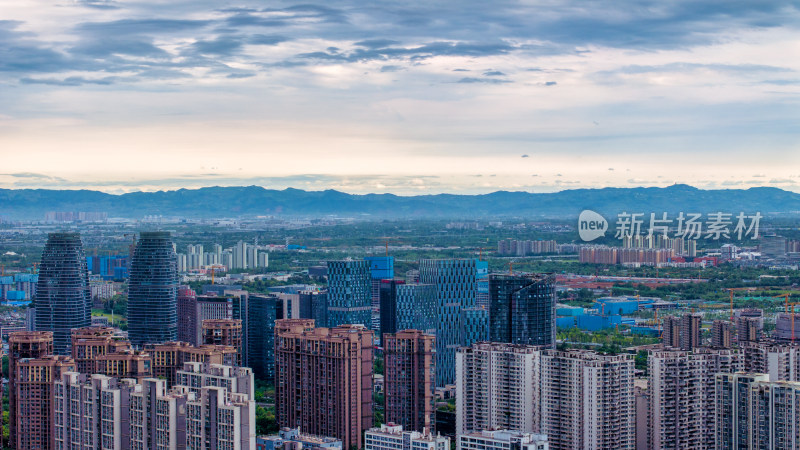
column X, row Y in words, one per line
column 455, row 282
column 262, row 312
column 63, row 299
column 349, row 293
column 388, row 306
column 522, row 309
column 416, row 307
column 153, row 291
column 474, row 326
column 380, row 267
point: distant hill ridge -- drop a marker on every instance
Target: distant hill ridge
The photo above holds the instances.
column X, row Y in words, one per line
column 211, row 202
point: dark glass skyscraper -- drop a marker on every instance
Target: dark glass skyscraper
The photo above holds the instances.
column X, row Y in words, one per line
column 63, row 298
column 388, row 306
column 522, row 309
column 349, row 293
column 263, row 311
column 153, row 290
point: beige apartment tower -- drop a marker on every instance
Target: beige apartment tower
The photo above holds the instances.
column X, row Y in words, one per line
column 323, row 379
column 410, row 379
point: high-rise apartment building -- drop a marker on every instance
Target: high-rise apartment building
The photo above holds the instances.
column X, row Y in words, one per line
column 238, row 380
column 153, row 290
column 780, row 361
column 682, row 332
column 193, row 310
column 349, row 293
column 410, row 379
column 587, row 400
column 522, row 309
column 155, row 418
column 90, row 412
column 170, row 357
column 681, row 385
column 226, row 332
column 722, row 334
column 455, row 282
column 756, row 413
column 749, row 325
column 218, row 419
column 186, row 306
column 23, row 345
column 89, row 343
column 63, row 299
column 125, row 363
column 34, row 383
column 787, row 327
column 240, row 310
column 212, row 409
column 323, row 379
column 498, row 387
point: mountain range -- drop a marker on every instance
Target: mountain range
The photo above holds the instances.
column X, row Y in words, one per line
column 250, row 201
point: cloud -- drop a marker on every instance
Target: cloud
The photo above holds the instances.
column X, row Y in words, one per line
column 262, row 39
column 125, row 27
column 33, row 176
column 697, row 80
column 391, row 68
column 525, row 156
column 69, row 81
column 98, row 4
column 471, row 80
column 376, row 43
column 223, row 45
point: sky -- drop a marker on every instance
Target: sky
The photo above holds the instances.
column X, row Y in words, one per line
column 406, row 97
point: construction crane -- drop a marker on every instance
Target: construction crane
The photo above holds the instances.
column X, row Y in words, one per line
column 386, row 240
column 730, row 290
column 213, row 268
column 786, row 300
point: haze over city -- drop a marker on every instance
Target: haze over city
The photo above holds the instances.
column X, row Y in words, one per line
column 411, row 97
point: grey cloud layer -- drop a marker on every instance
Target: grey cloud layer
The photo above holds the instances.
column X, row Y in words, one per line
column 399, row 34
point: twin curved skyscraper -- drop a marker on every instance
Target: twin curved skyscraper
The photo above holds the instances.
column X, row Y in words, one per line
column 63, row 298
column 153, row 290
column 63, row 301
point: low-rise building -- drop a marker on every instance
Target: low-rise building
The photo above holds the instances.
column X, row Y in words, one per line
column 502, row 440
column 293, row 439
column 392, row 437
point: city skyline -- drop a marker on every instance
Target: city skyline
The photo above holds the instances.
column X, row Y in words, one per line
column 411, row 98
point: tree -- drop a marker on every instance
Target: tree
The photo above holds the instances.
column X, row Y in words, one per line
column 640, row 361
